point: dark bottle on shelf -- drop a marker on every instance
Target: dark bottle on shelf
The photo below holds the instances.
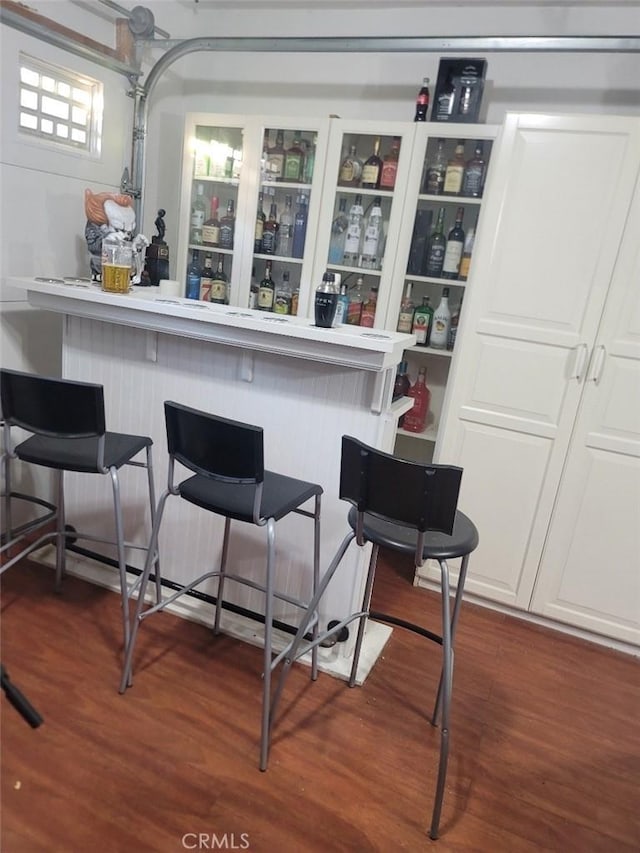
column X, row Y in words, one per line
column 300, row 228
column 422, row 101
column 465, row 263
column 270, row 231
column 260, row 220
column 206, row 278
column 228, row 226
column 422, row 322
column 266, row 291
column 193, row 277
column 455, row 245
column 436, row 170
column 401, row 386
column 294, row 160
column 437, row 248
column 219, row 283
column 372, row 168
column 275, row 158
column 474, row 173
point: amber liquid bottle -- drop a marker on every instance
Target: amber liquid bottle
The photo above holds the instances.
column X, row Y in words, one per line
column 372, row 169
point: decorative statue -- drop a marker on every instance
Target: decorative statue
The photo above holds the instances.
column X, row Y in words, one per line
column 112, row 215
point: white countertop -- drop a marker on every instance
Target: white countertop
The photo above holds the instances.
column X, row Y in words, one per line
column 297, row 337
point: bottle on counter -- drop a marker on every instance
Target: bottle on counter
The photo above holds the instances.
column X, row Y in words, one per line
column 211, row 228
column 342, row 311
column 371, row 236
column 436, row 248
column 415, row 420
column 206, row 279
column 407, row 308
column 441, row 322
column 422, row 322
column 219, row 283
column 422, row 101
column 266, row 291
column 356, row 299
column 326, row 301
column 228, row 226
column 354, row 233
column 338, row 233
column 193, row 277
column 198, row 216
column 455, row 246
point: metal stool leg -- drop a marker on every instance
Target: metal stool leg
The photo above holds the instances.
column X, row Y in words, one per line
column 268, row 635
column 61, row 552
column 152, row 507
column 222, row 575
column 316, row 582
column 447, row 665
column 366, row 602
column 122, row 565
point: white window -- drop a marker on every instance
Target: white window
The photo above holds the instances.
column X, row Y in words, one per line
column 59, row 105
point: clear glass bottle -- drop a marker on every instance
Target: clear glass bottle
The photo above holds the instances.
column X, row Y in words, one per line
column 351, row 255
column 370, row 256
column 338, row 233
column 407, row 308
column 441, row 322
column 350, row 169
column 285, row 229
column 415, row 420
column 219, row 284
column 342, row 311
column 356, row 300
column 198, row 216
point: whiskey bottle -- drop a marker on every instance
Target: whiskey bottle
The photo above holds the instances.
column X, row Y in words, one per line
column 372, row 168
column 368, row 316
column 437, row 247
column 436, row 169
column 219, row 283
column 275, row 158
column 390, row 166
column 465, row 263
column 270, row 231
column 455, row 171
column 211, row 228
column 350, row 169
column 260, row 220
column 282, row 299
column 407, row 308
column 206, row 277
column 266, row 291
column 455, row 245
column 228, row 226
column 474, row 173
column 294, row 160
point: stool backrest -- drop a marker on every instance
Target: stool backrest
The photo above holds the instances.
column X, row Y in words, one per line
column 424, row 497
column 59, row 408
column 213, row 446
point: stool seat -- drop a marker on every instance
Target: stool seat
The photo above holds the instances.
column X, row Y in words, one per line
column 437, row 545
column 80, row 454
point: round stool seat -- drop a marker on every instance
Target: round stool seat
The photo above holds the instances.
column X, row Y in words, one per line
column 437, row 546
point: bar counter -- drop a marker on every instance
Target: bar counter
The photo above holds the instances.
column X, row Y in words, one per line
column 304, row 385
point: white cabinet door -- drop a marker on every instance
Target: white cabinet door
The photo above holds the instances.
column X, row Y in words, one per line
column 547, row 245
column 590, row 570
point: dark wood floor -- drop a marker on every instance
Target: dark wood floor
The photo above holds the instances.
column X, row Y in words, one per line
column 545, row 737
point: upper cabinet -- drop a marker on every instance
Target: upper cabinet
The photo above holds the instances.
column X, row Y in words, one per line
column 249, row 209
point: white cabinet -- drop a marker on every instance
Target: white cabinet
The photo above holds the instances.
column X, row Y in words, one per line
column 541, row 409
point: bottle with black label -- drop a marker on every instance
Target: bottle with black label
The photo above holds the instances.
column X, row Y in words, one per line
column 266, row 291
column 436, row 169
column 228, row 226
column 455, row 245
column 219, row 283
column 270, row 231
column 474, row 173
column 437, row 248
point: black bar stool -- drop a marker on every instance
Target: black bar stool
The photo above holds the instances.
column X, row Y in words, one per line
column 410, row 508
column 227, row 459
column 66, row 420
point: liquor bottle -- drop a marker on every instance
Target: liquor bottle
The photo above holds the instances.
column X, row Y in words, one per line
column 390, row 165
column 402, row 384
column 372, row 168
column 300, row 228
column 455, row 171
column 260, row 220
column 285, row 230
column 295, row 300
column 294, row 160
column 354, row 314
column 437, row 247
column 282, row 299
column 465, row 263
column 474, row 173
column 206, row 278
column 310, row 160
column 422, row 322
column 441, row 322
column 455, row 245
column 211, row 228
column 270, row 231
column 354, row 232
column 342, row 311
column 275, row 158
column 228, row 226
column 198, row 215
column 193, row 277
column 422, row 101
column 338, row 233
column 415, row 420
column 443, row 107
column 436, row 169
column 350, row 169
column 368, row 316
column 407, row 307
column 326, row 301
column 453, row 328
column 253, row 290
column 219, row 283
column 266, row 291
column 370, row 255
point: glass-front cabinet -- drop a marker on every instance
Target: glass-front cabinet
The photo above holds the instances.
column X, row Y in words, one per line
column 366, row 176
column 249, row 210
column 434, row 262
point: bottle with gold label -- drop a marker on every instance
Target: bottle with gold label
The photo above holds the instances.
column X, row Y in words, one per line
column 219, row 283
column 455, row 171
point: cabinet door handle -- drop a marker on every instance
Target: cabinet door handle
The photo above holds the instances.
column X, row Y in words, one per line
column 580, row 362
column 598, row 363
